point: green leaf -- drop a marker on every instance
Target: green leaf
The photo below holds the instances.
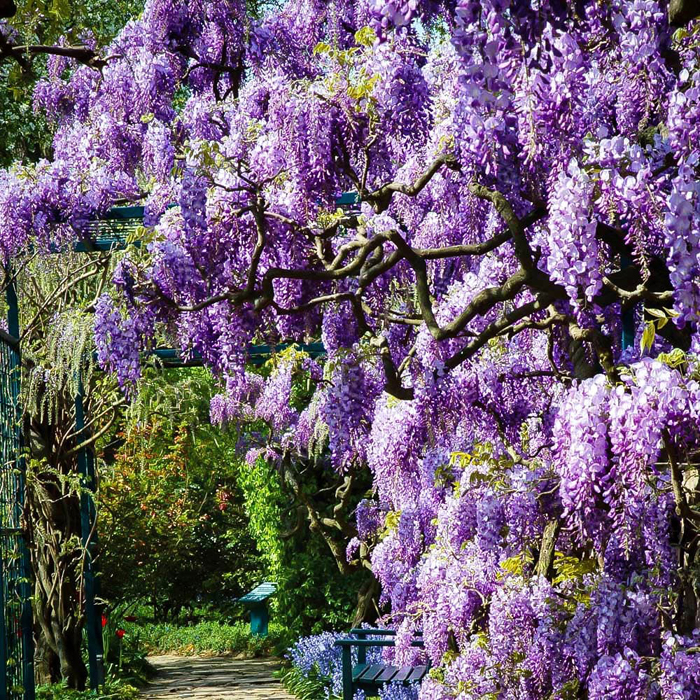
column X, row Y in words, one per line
column 391, row 521
column 674, row 359
column 657, row 313
column 513, row 565
column 680, row 34
column 571, row 568
column 365, row 37
column 648, row 336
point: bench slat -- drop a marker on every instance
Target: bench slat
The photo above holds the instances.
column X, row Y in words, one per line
column 417, row 673
column 371, row 673
column 387, row 674
column 359, row 670
column 403, row 674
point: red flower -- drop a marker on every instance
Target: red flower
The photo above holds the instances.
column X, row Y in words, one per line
column 120, row 633
column 130, row 618
column 104, row 620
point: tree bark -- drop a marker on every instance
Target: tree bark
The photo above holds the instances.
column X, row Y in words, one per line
column 545, row 563
column 681, row 12
column 56, row 562
column 367, row 609
column 57, row 557
column 46, row 664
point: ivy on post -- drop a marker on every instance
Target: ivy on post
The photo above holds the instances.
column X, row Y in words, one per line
column 86, row 468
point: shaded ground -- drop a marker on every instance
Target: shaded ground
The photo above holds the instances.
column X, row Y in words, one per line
column 215, row 678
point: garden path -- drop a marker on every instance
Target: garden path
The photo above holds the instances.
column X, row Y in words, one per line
column 214, row 678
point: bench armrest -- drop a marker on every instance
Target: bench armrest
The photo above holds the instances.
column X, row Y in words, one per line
column 364, row 631
column 373, row 643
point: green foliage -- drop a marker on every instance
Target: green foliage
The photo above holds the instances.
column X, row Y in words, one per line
column 124, row 658
column 302, row 686
column 571, row 690
column 25, row 134
column 676, row 359
column 312, row 594
column 47, row 20
column 264, row 497
column 660, row 317
column 208, row 637
column 184, row 521
column 170, row 512
column 112, row 690
column 517, row 565
column 59, row 362
column 571, row 568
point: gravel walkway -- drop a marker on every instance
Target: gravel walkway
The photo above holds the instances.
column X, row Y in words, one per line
column 214, row 678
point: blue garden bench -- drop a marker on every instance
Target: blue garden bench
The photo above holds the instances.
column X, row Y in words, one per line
column 371, row 677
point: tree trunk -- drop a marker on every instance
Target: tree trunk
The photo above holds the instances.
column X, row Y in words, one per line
column 367, row 609
column 73, row 670
column 46, row 664
column 545, row 562
column 57, row 556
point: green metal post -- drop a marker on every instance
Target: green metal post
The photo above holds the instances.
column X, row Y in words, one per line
column 26, row 620
column 86, row 468
column 347, row 673
column 259, row 619
column 628, row 329
column 3, row 649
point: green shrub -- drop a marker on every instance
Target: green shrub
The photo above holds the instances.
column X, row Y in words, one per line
column 171, row 516
column 312, row 594
column 124, row 659
column 302, row 686
column 210, row 638
column 112, row 690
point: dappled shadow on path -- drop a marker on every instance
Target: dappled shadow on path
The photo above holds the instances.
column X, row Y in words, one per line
column 214, row 678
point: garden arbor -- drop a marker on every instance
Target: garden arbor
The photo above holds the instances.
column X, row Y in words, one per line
column 111, row 233
column 17, row 530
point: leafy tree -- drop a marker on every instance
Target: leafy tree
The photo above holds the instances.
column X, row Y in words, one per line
column 182, row 516
column 313, row 594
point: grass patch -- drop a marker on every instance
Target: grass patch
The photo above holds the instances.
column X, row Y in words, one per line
column 210, row 638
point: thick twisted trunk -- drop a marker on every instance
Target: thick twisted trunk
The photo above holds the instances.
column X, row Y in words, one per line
column 57, row 556
column 46, row 664
column 367, row 609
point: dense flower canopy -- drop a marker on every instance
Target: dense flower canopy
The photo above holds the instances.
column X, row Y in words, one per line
column 527, row 187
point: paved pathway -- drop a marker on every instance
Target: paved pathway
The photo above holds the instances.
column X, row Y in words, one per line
column 214, row 678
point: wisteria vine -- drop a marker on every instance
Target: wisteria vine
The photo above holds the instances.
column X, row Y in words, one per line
column 463, row 200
